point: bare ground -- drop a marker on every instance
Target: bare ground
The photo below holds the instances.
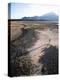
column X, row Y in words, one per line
column 43, row 42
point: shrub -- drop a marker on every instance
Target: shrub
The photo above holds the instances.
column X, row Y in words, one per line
column 50, row 58
column 24, row 65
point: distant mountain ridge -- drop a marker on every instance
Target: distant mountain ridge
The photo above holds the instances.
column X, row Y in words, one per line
column 47, row 17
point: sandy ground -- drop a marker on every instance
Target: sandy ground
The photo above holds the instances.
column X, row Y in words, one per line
column 44, row 39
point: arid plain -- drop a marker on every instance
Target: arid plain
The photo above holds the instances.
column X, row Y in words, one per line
column 35, row 37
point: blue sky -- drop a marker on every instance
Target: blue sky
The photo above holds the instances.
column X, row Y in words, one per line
column 19, row 10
